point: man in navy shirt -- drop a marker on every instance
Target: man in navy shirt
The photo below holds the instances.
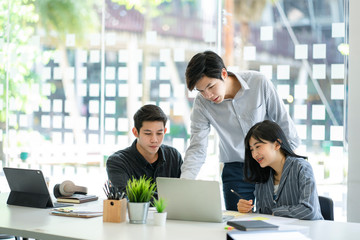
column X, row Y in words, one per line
column 147, row 155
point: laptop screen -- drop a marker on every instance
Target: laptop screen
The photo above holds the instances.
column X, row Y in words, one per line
column 191, row 200
column 28, row 188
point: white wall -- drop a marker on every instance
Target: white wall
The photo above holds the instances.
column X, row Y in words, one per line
column 353, row 202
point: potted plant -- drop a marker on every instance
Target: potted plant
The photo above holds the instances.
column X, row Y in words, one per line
column 159, row 215
column 139, row 192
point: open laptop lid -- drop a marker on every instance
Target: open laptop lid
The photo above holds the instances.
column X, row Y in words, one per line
column 28, row 188
column 191, row 200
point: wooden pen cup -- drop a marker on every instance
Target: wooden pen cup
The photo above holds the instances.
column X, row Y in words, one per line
column 114, row 210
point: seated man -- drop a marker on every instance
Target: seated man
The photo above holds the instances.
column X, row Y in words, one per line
column 146, row 156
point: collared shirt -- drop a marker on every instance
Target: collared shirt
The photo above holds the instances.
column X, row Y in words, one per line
column 296, row 196
column 128, row 163
column 257, row 100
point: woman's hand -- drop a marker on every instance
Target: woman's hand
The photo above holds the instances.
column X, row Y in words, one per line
column 245, row 206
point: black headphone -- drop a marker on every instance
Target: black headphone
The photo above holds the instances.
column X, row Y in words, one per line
column 68, row 188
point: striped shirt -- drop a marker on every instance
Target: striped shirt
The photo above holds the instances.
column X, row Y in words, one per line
column 296, row 196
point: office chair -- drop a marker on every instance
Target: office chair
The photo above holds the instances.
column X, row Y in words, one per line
column 327, row 208
column 5, row 236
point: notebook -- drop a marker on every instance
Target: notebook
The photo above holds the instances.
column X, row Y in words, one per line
column 191, row 200
column 29, row 189
column 249, row 225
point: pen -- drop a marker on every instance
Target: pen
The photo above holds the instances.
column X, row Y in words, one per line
column 122, row 195
column 227, row 227
column 237, row 194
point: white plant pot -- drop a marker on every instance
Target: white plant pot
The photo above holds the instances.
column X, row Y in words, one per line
column 160, row 218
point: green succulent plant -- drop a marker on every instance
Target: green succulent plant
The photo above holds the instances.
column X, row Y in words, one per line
column 140, row 190
column 160, row 204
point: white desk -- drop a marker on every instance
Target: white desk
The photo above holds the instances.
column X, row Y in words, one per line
column 39, row 224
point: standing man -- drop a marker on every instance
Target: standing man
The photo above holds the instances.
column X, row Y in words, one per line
column 231, row 103
column 147, row 155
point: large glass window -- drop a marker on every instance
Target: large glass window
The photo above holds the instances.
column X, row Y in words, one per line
column 73, row 73
column 301, row 46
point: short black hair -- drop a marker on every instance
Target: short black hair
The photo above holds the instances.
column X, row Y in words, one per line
column 149, row 113
column 202, row 64
column 268, row 131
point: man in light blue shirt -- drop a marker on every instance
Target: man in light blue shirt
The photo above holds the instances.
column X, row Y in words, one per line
column 231, row 103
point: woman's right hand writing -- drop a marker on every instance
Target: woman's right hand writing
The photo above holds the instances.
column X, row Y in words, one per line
column 245, row 206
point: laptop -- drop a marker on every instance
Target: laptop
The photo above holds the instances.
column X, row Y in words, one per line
column 29, row 189
column 191, row 200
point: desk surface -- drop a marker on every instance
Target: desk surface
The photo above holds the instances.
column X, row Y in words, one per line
column 39, row 224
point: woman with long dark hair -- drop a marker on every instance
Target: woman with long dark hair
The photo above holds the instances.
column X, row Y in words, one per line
column 285, row 183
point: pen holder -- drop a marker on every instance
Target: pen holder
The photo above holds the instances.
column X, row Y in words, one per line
column 114, row 210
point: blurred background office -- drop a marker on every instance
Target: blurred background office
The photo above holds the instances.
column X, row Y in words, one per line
column 74, row 72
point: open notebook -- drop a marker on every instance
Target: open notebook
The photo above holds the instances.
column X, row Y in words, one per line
column 191, row 200
column 28, row 188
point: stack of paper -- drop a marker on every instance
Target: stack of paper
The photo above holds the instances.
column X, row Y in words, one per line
column 70, row 212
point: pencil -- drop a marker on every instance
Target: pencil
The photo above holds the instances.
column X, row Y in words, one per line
column 237, row 194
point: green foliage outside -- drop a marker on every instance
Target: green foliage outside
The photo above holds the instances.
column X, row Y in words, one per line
column 140, row 190
column 19, row 53
column 26, row 26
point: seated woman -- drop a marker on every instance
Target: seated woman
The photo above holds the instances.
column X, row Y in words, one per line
column 285, row 183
